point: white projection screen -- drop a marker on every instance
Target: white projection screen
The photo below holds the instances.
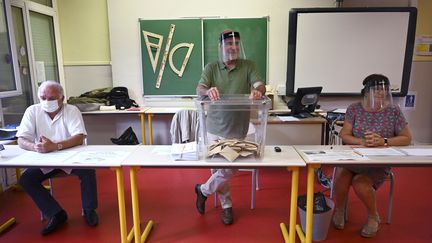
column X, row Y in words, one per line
column 336, row 48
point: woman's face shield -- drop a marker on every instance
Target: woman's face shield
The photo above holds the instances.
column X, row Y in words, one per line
column 378, row 96
column 230, row 47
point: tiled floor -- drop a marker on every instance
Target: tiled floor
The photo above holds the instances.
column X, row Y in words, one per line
column 167, row 197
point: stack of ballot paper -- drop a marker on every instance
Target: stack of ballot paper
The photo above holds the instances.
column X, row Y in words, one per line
column 387, row 151
column 184, row 151
column 417, row 151
column 231, row 149
column 332, row 155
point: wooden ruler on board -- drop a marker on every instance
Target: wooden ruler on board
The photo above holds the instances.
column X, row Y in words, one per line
column 165, row 56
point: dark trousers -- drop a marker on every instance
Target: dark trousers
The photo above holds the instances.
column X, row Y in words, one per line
column 31, row 181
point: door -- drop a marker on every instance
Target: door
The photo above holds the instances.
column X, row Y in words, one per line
column 39, row 57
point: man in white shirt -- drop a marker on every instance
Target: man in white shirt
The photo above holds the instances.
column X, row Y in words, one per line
column 47, row 127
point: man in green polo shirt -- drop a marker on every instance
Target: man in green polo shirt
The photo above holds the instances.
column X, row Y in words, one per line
column 232, row 74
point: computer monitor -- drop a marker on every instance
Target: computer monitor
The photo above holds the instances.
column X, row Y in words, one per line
column 305, row 101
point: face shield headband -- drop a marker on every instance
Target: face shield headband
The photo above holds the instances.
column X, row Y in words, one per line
column 230, row 47
column 233, row 34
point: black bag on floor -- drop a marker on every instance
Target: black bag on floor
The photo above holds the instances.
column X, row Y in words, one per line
column 319, row 203
column 119, row 96
column 127, row 138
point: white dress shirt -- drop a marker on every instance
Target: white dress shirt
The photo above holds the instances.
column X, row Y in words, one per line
column 36, row 123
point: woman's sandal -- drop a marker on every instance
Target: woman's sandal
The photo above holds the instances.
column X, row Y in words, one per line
column 339, row 219
column 371, row 228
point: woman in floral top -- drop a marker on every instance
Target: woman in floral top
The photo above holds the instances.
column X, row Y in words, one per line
column 374, row 122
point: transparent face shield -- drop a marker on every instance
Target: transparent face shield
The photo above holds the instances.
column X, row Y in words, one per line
column 378, row 96
column 230, row 47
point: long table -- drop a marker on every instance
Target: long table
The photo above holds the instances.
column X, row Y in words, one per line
column 159, row 111
column 135, row 157
column 153, row 111
column 306, row 122
column 371, row 160
column 91, row 156
column 140, row 112
column 158, row 156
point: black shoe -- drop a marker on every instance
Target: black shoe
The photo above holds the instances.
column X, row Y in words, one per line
column 200, row 200
column 54, row 222
column 227, row 216
column 91, row 217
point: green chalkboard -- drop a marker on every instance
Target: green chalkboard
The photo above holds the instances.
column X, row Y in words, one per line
column 204, row 34
column 185, row 31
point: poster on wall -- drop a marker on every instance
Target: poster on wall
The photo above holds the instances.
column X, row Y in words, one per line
column 423, row 45
column 410, row 100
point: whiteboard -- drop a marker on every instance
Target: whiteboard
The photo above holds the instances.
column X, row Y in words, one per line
column 338, row 48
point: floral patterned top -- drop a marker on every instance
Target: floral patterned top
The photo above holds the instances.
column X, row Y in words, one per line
column 388, row 122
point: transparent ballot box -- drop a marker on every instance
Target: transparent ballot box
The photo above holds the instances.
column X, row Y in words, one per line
column 233, row 127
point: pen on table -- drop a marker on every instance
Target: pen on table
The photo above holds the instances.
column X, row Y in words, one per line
column 359, row 153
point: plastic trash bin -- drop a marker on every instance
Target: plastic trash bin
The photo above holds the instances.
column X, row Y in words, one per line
column 320, row 223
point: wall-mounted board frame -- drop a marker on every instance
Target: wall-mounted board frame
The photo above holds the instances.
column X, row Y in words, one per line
column 203, row 33
column 336, row 48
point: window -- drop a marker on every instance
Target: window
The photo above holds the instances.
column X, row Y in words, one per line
column 9, row 79
column 35, row 30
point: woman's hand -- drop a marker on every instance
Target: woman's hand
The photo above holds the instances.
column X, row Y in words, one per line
column 372, row 139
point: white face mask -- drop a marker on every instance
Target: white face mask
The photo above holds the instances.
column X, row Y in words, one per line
column 49, row 105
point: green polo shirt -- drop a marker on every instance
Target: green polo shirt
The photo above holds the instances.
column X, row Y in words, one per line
column 239, row 80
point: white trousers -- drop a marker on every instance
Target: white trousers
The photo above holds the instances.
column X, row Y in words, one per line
column 219, row 182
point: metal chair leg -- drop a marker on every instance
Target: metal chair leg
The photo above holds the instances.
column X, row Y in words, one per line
column 253, row 189
column 390, row 206
column 332, row 182
column 257, row 179
column 215, row 199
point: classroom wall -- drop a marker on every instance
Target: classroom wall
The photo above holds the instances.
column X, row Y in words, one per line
column 84, row 32
column 85, row 45
column 125, row 37
column 125, row 69
column 125, row 41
